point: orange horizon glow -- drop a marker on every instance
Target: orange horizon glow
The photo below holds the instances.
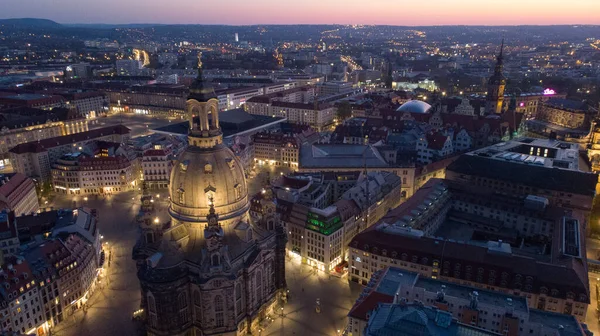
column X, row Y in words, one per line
column 379, row 12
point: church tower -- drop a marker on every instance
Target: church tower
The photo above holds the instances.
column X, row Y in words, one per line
column 209, row 270
column 496, row 85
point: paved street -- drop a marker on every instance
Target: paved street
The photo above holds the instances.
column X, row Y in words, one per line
column 110, row 308
column 299, row 317
column 139, row 124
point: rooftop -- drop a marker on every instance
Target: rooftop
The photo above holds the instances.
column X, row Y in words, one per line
column 340, row 155
column 44, row 145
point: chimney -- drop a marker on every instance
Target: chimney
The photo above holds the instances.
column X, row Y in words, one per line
column 499, row 242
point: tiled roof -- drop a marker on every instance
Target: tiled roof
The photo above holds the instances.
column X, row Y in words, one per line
column 44, row 145
column 436, row 140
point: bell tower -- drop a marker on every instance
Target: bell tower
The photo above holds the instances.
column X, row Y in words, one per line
column 496, row 85
column 202, row 102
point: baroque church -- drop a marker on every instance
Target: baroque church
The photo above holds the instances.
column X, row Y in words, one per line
column 210, row 270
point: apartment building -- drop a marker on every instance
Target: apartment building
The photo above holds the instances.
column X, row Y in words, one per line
column 35, row 159
column 156, row 168
column 18, row 194
column 80, row 174
column 276, row 149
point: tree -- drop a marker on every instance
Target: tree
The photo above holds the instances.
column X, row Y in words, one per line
column 344, row 110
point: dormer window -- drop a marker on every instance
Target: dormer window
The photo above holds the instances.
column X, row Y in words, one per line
column 208, row 168
column 181, row 195
column 214, row 260
column 230, row 163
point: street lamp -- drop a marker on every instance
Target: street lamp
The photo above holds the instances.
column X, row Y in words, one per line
column 157, row 195
column 85, row 198
column 156, row 220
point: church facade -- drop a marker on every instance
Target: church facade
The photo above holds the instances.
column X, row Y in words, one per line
column 210, row 270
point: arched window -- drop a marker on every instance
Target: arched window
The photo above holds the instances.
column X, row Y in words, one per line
column 197, row 298
column 219, row 316
column 182, row 300
column 183, row 311
column 151, row 304
column 215, row 260
column 218, row 303
column 238, row 299
column 258, row 282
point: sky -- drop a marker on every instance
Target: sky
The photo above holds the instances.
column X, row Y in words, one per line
column 243, row 12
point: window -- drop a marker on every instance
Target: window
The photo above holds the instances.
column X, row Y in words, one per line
column 219, row 320
column 151, row 304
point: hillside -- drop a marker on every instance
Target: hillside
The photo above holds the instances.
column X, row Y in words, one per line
column 29, row 23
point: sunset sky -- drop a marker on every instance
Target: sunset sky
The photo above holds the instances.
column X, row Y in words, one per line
column 241, row 12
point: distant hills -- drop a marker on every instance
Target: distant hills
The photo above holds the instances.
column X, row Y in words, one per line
column 29, row 23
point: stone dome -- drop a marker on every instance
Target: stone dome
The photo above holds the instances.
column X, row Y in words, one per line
column 204, row 174
column 414, row 106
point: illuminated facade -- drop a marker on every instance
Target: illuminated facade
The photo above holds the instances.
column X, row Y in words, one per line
column 211, row 270
column 35, row 158
column 76, row 174
column 276, row 149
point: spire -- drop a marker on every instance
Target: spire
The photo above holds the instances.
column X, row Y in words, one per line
column 199, row 66
column 501, row 49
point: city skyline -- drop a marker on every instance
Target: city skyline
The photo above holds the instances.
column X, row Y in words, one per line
column 379, row 12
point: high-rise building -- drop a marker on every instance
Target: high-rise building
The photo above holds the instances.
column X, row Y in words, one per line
column 496, row 85
column 237, row 38
column 210, row 270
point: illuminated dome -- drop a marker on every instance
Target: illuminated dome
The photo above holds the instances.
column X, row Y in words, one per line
column 414, row 106
column 204, row 173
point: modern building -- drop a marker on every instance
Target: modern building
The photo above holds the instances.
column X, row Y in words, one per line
column 323, row 212
column 78, row 71
column 537, row 161
column 488, row 311
column 128, row 67
column 35, row 159
column 18, row 194
column 211, row 270
column 87, row 104
column 296, row 105
column 473, row 236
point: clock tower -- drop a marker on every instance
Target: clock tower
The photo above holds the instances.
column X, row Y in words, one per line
column 496, row 85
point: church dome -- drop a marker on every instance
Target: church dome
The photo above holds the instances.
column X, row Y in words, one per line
column 204, row 175
column 414, row 106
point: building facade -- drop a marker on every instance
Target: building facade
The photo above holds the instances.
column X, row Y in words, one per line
column 35, row 159
column 18, row 194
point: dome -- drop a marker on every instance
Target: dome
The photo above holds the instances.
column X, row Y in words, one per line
column 202, row 175
column 414, row 106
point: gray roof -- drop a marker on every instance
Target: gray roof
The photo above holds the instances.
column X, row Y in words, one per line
column 341, row 155
column 535, row 176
